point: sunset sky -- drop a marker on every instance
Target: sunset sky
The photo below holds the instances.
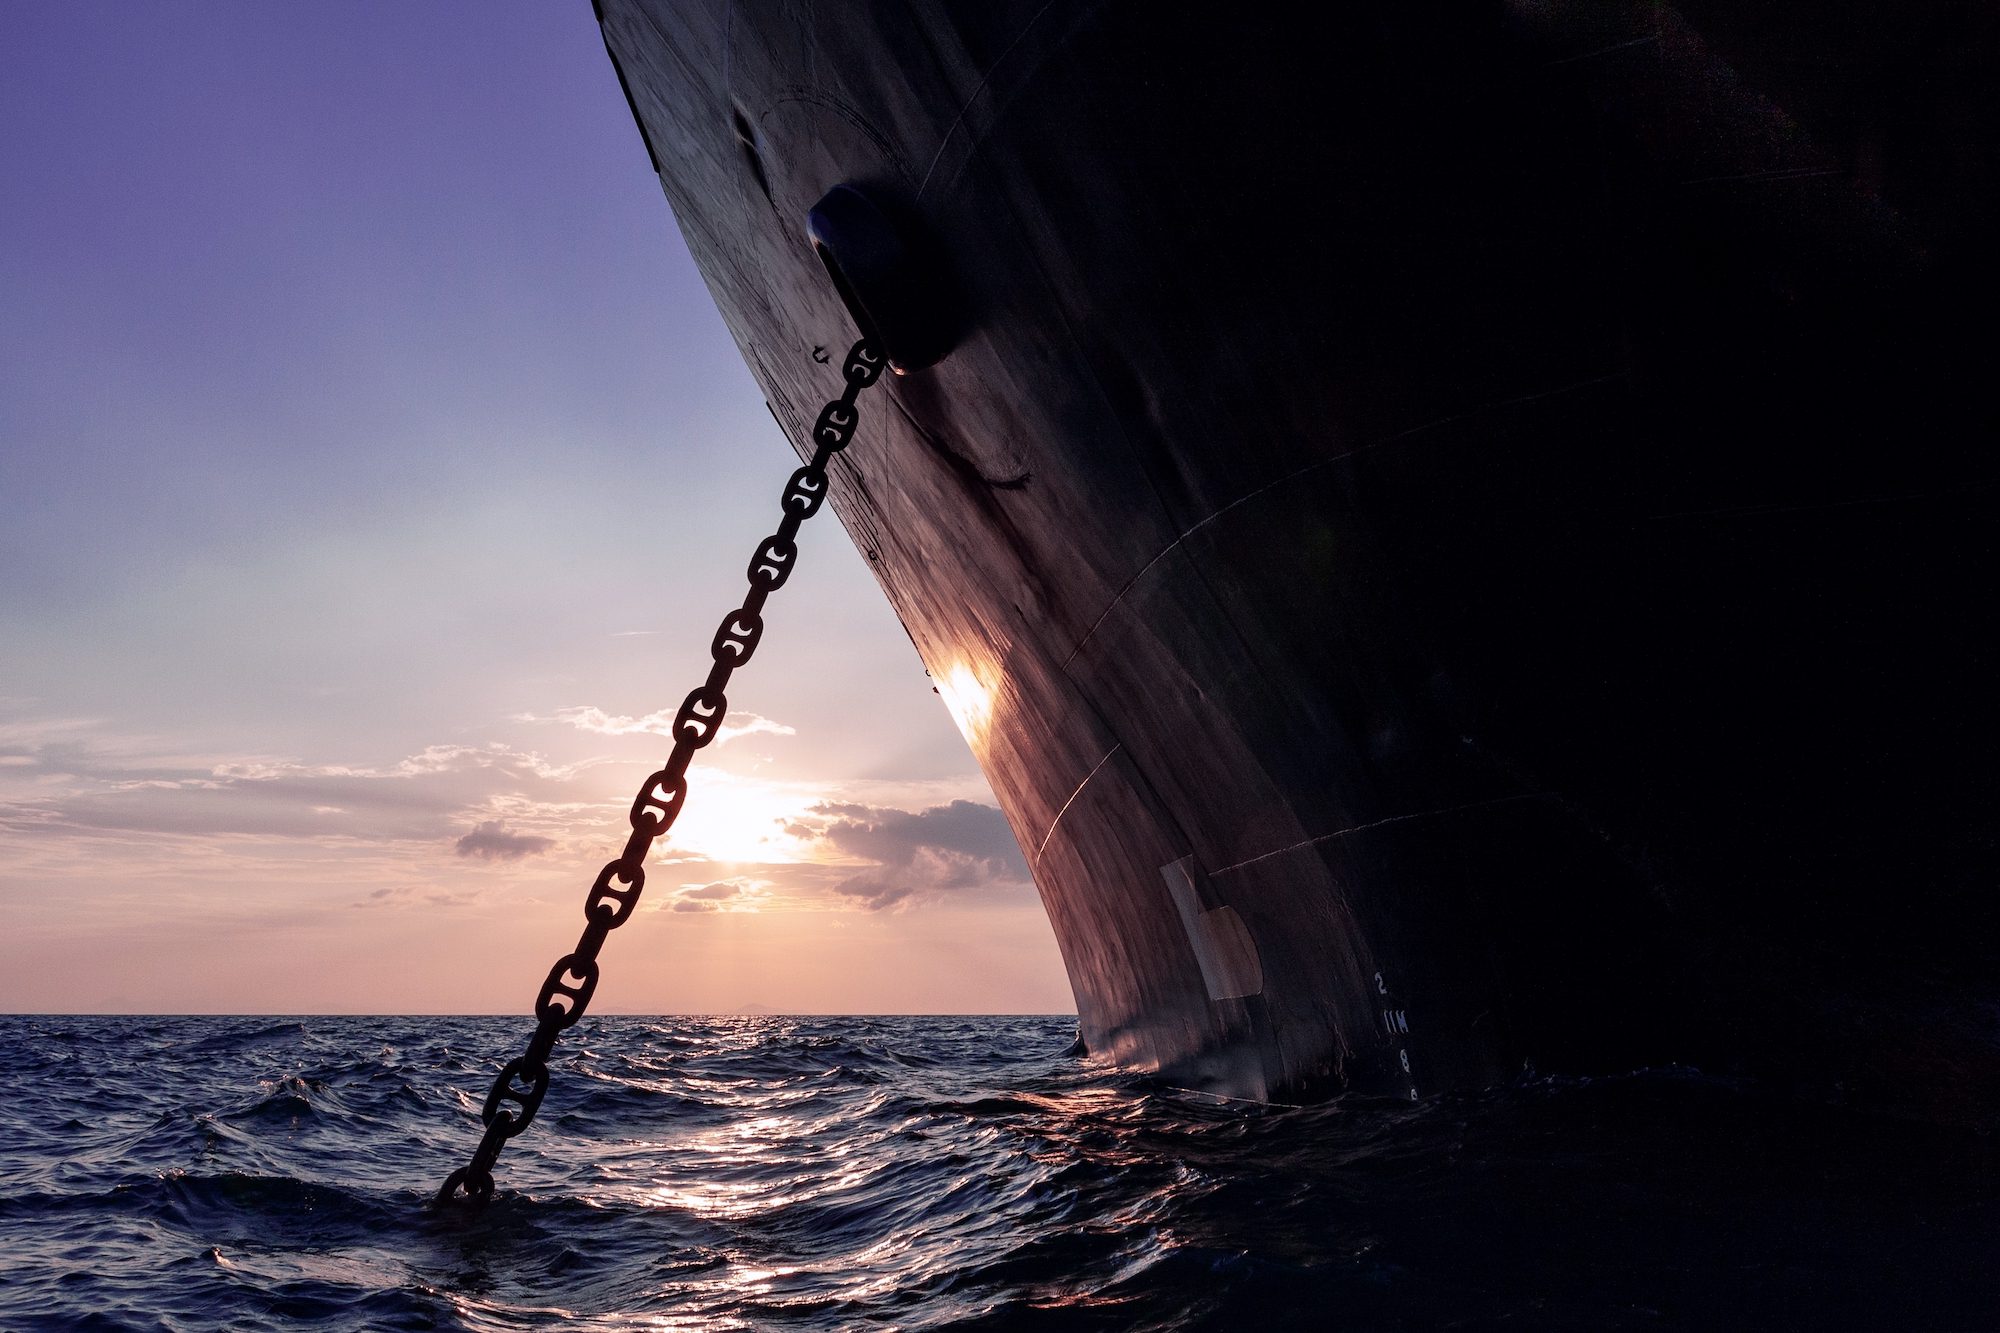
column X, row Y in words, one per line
column 374, row 469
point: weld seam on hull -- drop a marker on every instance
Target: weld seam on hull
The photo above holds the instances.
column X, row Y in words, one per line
column 1314, row 466
column 1043, row 846
column 1392, row 819
column 984, row 79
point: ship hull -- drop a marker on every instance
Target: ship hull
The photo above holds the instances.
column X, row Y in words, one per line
column 1459, row 540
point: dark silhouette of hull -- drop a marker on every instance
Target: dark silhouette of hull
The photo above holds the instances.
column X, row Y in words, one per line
column 1459, row 534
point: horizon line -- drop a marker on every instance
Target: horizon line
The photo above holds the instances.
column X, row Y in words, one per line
column 678, row 1013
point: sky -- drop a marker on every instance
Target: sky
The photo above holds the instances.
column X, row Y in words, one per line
column 374, row 470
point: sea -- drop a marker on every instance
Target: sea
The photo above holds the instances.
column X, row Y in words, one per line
column 186, row 1173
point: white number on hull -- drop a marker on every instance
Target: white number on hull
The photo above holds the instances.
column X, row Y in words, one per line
column 1396, row 1022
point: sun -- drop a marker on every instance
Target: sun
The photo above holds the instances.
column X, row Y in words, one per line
column 741, row 820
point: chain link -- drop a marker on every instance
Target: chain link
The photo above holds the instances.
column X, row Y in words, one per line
column 517, row 1093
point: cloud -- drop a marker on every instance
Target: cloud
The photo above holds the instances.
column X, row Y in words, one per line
column 586, row 717
column 737, row 723
column 491, row 841
column 479, row 807
column 430, row 760
column 894, row 837
column 739, row 893
column 958, row 847
column 36, row 731
column 113, row 785
column 405, row 895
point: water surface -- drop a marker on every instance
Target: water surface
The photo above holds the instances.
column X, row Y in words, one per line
column 919, row 1173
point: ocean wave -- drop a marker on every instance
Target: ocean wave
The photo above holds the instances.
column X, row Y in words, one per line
column 238, row 1039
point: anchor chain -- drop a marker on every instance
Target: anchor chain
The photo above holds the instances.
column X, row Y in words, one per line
column 518, row 1091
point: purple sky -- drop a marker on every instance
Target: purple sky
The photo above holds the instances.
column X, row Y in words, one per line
column 373, row 467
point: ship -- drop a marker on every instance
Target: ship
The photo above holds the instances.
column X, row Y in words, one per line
column 1459, row 534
